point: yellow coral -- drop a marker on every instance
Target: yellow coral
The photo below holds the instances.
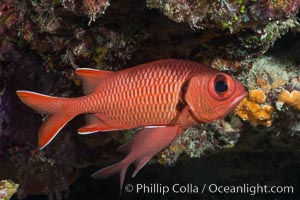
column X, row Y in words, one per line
column 257, row 96
column 292, row 99
column 280, row 4
column 177, row 148
column 263, row 84
column 7, row 189
column 251, row 109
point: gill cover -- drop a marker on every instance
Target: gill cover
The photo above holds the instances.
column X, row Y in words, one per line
column 204, row 94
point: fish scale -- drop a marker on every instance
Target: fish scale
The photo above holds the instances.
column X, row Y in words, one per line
column 149, row 89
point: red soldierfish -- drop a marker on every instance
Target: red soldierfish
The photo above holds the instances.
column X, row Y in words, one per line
column 164, row 97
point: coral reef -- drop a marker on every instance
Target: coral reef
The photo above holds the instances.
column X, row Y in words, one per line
column 270, row 74
column 7, row 189
column 95, row 7
column 235, row 15
column 43, row 42
column 271, row 79
column 201, row 139
column 292, row 99
column 252, row 109
column 261, row 21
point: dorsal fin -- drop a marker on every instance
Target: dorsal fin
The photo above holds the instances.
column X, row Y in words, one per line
column 91, row 78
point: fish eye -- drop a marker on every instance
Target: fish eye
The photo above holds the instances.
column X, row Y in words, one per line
column 221, row 86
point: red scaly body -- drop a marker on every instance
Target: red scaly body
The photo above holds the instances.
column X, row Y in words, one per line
column 164, row 97
column 141, row 96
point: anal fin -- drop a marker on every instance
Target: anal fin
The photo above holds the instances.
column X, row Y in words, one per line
column 93, row 129
column 94, row 124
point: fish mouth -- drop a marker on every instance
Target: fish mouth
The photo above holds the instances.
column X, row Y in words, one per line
column 238, row 99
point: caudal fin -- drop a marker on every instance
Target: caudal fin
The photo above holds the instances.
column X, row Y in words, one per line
column 57, row 114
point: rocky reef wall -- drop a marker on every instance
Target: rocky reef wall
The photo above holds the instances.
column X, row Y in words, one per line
column 42, row 42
